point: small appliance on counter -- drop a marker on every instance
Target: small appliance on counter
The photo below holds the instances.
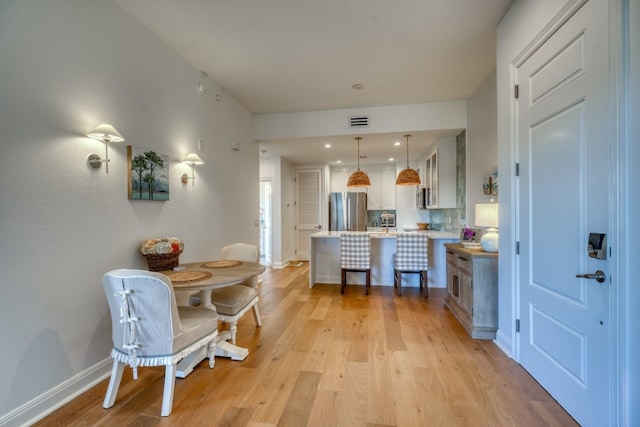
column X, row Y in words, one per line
column 387, row 219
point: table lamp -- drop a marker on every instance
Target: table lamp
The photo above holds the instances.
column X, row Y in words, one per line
column 487, row 216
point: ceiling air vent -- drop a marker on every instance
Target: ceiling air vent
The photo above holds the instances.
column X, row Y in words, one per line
column 359, row 121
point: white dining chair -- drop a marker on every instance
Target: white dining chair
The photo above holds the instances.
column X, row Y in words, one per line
column 232, row 302
column 149, row 329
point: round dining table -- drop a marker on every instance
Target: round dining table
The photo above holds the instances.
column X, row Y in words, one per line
column 205, row 276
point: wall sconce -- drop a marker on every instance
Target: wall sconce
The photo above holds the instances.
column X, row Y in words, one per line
column 105, row 133
column 192, row 160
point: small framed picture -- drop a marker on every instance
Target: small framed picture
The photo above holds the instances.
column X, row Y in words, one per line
column 148, row 174
column 486, row 185
column 494, row 183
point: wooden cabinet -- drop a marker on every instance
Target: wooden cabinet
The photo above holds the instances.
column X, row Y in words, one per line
column 472, row 289
column 440, row 175
column 382, row 192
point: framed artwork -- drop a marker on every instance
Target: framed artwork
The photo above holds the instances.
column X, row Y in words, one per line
column 494, row 183
column 486, row 185
column 148, row 174
column 490, row 184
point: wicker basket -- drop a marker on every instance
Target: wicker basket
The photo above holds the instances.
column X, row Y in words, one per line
column 163, row 261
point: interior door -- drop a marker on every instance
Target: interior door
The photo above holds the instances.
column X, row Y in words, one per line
column 308, row 209
column 563, row 195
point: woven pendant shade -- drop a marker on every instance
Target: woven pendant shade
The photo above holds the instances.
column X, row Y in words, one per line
column 358, row 178
column 408, row 176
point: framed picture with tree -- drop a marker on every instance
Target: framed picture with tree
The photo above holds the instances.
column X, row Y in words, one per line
column 148, row 174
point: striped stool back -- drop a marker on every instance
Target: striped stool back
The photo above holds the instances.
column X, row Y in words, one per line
column 355, row 255
column 412, row 251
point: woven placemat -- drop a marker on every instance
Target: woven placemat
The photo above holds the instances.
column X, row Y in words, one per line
column 222, row 264
column 188, row 276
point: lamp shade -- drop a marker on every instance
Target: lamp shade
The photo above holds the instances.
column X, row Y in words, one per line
column 408, row 176
column 106, row 132
column 487, row 216
column 193, row 159
column 358, row 179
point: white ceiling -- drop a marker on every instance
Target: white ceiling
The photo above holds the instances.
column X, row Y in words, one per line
column 305, row 55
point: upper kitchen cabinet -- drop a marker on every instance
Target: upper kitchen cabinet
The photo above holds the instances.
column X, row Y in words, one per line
column 440, row 175
column 382, row 192
column 339, row 182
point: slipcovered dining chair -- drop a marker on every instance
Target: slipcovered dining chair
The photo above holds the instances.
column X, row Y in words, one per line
column 232, row 302
column 411, row 257
column 149, row 329
column 355, row 256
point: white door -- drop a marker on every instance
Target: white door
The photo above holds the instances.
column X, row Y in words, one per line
column 308, row 209
column 563, row 195
column 265, row 222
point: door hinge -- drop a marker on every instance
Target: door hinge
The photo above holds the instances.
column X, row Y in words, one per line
column 516, row 91
column 517, row 169
column 517, row 325
column 517, row 248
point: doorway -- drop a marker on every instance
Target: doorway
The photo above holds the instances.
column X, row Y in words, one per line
column 266, row 223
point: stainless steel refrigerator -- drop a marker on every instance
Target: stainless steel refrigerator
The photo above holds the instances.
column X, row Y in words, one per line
column 348, row 211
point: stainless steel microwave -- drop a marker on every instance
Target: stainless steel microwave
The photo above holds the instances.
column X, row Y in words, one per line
column 421, row 198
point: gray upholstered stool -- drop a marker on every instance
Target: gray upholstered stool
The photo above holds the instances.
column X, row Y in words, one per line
column 411, row 257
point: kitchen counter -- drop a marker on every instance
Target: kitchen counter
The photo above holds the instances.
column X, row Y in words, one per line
column 436, row 235
column 324, row 262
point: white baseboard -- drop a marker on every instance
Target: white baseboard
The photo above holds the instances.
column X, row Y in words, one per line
column 58, row 396
column 504, row 342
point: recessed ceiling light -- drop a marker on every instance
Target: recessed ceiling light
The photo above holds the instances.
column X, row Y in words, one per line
column 391, row 159
column 397, row 143
column 327, row 145
column 358, row 86
column 339, row 161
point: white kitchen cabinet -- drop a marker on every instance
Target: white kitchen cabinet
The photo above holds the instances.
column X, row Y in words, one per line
column 440, row 175
column 339, row 183
column 382, row 192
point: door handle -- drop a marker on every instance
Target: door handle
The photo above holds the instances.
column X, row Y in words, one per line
column 599, row 276
column 318, row 227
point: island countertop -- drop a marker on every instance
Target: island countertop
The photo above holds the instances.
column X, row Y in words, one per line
column 433, row 234
column 324, row 262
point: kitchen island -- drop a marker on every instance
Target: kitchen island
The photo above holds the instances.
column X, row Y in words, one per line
column 324, row 262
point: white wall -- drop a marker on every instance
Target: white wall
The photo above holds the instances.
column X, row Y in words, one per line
column 397, row 118
column 482, row 143
column 65, row 67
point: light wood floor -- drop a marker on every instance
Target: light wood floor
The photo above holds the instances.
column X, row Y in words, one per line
column 324, row 359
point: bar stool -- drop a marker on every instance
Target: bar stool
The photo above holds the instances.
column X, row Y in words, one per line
column 411, row 258
column 355, row 256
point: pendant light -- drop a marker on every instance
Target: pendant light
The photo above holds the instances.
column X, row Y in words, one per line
column 359, row 178
column 408, row 176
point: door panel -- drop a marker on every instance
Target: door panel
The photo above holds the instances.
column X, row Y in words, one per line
column 308, row 209
column 563, row 195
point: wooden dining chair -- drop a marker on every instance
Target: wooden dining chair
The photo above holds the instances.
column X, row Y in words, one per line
column 149, row 329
